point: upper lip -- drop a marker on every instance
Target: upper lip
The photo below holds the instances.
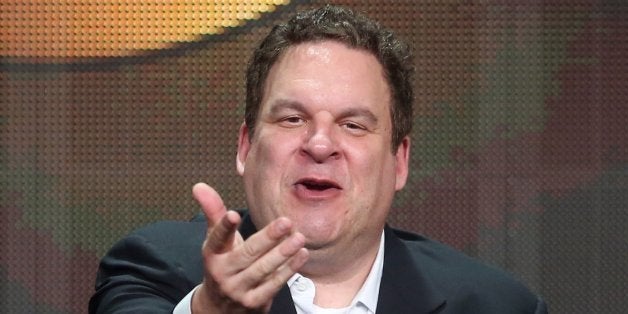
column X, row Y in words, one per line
column 318, row 183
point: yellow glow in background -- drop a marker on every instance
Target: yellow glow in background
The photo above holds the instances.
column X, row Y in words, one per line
column 95, row 28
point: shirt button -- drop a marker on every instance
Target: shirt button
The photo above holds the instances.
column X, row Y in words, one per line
column 301, row 286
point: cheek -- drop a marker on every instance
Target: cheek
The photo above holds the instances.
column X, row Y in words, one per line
column 269, row 154
column 370, row 163
column 375, row 178
column 267, row 161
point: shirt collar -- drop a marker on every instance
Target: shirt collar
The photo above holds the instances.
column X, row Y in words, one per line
column 368, row 294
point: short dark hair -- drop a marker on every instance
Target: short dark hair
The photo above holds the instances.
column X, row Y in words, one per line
column 356, row 31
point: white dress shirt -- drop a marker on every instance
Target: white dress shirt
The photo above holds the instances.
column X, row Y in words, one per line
column 303, row 291
column 364, row 302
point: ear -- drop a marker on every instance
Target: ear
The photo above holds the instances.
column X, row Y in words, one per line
column 403, row 158
column 244, row 144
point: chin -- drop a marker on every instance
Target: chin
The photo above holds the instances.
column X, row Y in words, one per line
column 318, row 246
column 315, row 239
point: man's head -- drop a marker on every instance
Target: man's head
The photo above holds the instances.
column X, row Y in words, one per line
column 321, row 151
column 355, row 31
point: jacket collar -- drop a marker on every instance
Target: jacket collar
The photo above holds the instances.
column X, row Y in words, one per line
column 404, row 287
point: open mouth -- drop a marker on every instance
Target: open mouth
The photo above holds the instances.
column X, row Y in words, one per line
column 318, row 185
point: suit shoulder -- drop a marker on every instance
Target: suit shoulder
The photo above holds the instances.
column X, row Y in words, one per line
column 465, row 277
column 433, row 254
column 168, row 231
column 172, row 242
column 176, row 241
column 158, row 263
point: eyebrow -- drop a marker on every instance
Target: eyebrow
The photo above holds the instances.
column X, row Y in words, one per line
column 283, row 104
column 360, row 112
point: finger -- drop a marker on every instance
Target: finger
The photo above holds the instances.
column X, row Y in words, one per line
column 266, row 266
column 221, row 237
column 261, row 242
column 265, row 291
column 211, row 203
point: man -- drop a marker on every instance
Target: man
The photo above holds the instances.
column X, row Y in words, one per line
column 322, row 151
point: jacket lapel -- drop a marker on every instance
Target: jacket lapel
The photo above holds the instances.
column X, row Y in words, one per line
column 404, row 288
column 282, row 303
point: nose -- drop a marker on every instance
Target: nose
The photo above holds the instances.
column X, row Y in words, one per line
column 320, row 142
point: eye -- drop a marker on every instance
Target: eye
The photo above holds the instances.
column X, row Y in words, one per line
column 354, row 128
column 292, row 121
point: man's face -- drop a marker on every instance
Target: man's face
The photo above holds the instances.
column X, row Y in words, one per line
column 321, row 151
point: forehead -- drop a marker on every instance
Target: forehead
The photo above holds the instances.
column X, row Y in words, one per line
column 328, row 72
column 328, row 52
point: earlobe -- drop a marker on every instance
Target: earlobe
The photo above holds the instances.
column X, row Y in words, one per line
column 403, row 158
column 244, row 145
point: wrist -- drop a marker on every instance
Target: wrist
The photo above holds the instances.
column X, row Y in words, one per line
column 200, row 302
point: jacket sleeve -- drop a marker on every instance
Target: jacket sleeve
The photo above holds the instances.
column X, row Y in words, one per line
column 140, row 274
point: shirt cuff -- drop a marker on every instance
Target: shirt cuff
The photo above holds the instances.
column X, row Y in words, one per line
column 185, row 305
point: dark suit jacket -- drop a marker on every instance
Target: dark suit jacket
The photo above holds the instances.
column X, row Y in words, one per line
column 153, row 268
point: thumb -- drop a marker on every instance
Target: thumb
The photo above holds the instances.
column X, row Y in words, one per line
column 210, row 202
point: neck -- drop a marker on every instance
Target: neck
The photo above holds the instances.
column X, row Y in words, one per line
column 339, row 277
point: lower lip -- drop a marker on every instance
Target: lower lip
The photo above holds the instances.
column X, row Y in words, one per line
column 315, row 195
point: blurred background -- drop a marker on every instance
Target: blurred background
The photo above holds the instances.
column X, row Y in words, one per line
column 112, row 110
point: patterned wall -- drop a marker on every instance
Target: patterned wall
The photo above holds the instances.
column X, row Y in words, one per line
column 112, row 110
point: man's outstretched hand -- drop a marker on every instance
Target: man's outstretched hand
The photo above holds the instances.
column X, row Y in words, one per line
column 243, row 276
